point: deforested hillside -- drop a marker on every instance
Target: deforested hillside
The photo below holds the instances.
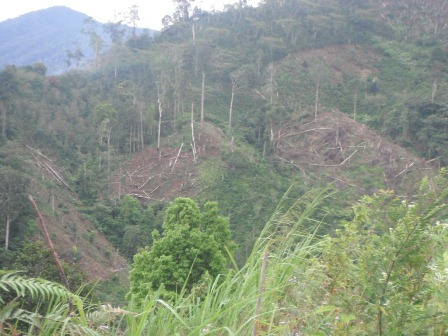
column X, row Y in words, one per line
column 234, row 107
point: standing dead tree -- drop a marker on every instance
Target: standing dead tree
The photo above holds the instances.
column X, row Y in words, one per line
column 193, row 142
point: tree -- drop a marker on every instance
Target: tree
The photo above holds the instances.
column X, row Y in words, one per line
column 36, row 260
column 239, row 80
column 132, row 221
column 204, row 52
column 192, row 246
column 96, row 42
column 8, row 87
column 182, row 12
column 74, row 55
column 115, row 31
column 381, row 265
column 132, row 18
column 13, row 187
column 104, row 117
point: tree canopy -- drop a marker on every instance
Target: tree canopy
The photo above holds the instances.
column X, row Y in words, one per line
column 191, row 247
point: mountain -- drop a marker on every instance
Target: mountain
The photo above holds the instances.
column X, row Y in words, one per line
column 46, row 36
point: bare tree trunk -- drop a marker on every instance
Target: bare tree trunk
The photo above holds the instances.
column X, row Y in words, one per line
column 50, row 245
column 202, row 97
column 160, row 120
column 434, row 91
column 8, row 223
column 133, row 142
column 108, row 152
column 141, row 127
column 271, row 81
column 130, row 140
column 337, row 128
column 231, row 106
column 97, row 53
column 193, row 145
column 3, row 108
column 316, row 107
column 177, row 156
column 355, row 103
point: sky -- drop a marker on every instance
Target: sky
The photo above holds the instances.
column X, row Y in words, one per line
column 151, row 12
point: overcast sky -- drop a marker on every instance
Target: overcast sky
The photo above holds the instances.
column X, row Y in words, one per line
column 151, row 12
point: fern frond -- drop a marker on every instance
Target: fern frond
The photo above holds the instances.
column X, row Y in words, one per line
column 36, row 288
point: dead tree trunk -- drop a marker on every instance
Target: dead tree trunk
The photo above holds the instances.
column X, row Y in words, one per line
column 202, row 97
column 232, row 96
column 316, row 107
column 53, row 251
column 141, row 127
column 193, row 144
column 8, row 223
column 3, row 108
column 177, row 156
column 160, row 120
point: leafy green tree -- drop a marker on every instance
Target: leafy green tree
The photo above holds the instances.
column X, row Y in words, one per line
column 136, row 229
column 13, row 186
column 36, row 260
column 105, row 116
column 191, row 247
column 131, row 211
column 381, row 265
column 8, row 87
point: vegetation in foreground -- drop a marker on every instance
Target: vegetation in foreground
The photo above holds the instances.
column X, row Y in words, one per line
column 383, row 272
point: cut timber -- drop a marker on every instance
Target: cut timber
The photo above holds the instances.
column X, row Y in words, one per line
column 149, row 179
column 177, row 157
column 50, row 245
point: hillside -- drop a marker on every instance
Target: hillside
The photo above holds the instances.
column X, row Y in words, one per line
column 48, row 35
column 74, row 237
column 234, row 107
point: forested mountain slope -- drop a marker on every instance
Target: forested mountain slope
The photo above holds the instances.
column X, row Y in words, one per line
column 58, row 37
column 237, row 106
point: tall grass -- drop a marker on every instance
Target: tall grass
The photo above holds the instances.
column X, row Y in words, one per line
column 247, row 301
column 265, row 296
column 293, row 283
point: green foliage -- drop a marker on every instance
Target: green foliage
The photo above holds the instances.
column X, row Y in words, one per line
column 234, row 189
column 383, row 272
column 58, row 317
column 385, row 265
column 427, row 125
column 380, row 264
column 36, row 261
column 21, row 286
column 193, row 244
column 128, row 225
column 131, row 211
column 14, row 207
